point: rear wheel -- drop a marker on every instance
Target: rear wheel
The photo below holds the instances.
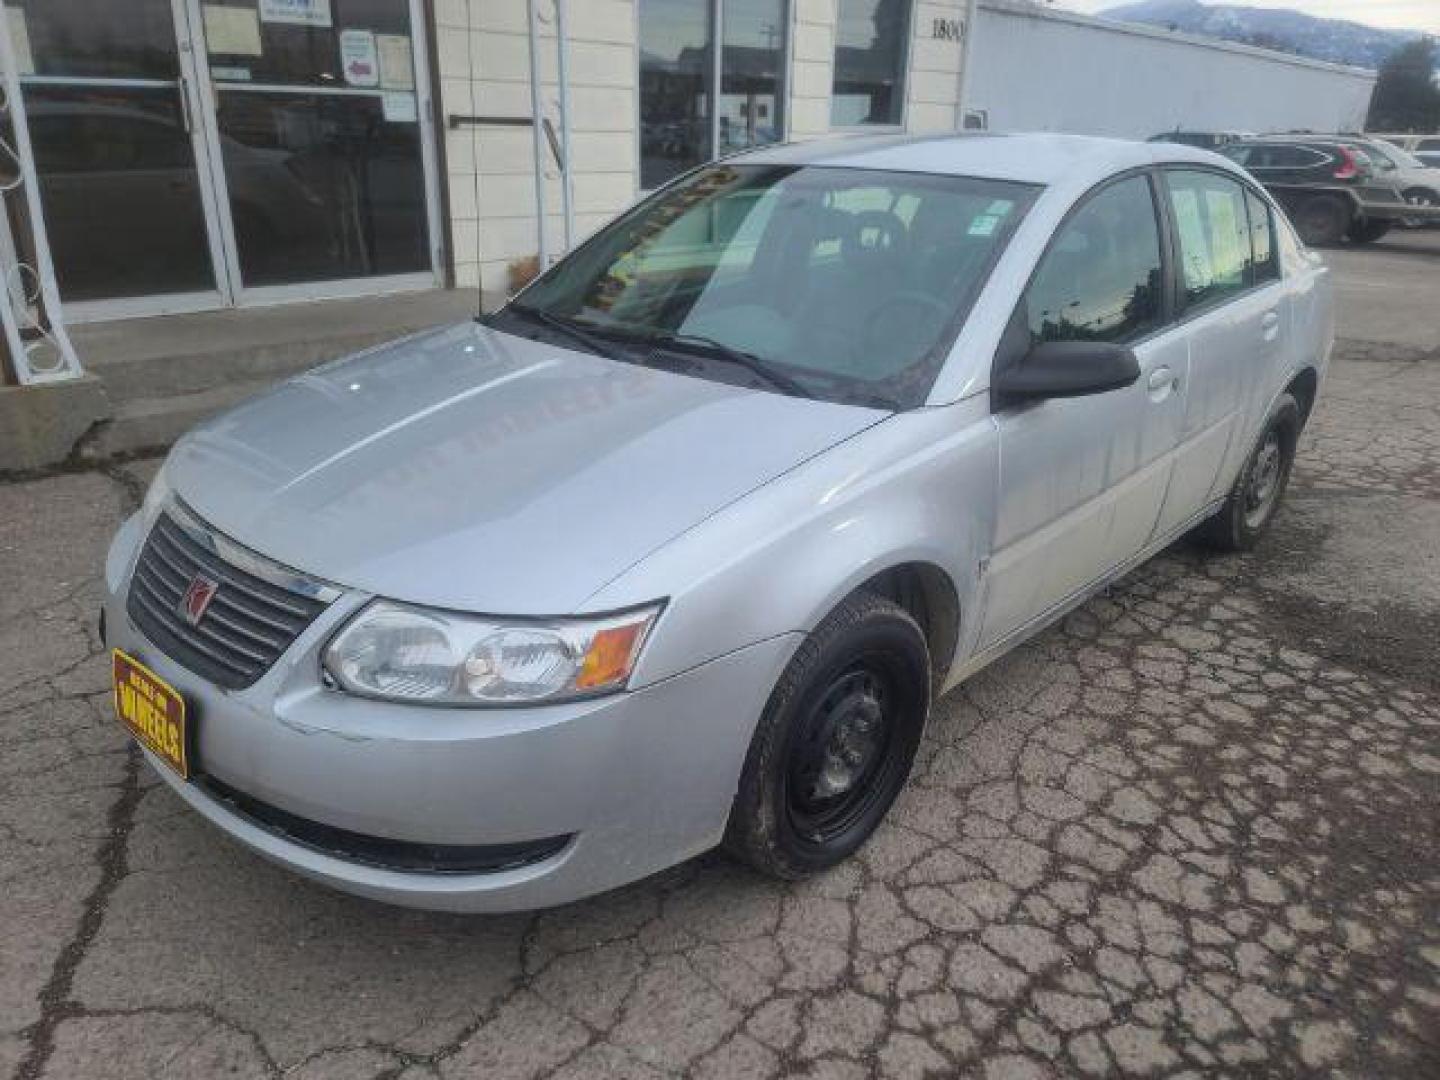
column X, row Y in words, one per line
column 836, row 742
column 1253, row 501
column 1368, row 231
column 1322, row 219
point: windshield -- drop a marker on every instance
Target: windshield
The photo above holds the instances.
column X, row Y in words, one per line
column 842, row 284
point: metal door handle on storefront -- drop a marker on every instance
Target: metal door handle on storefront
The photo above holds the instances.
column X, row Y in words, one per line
column 184, row 88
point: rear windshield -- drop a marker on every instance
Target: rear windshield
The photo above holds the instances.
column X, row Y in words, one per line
column 845, row 284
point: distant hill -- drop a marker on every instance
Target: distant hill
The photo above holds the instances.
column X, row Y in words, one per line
column 1289, row 31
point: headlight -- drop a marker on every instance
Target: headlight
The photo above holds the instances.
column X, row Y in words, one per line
column 403, row 653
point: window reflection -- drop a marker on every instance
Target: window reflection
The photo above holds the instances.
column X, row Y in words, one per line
column 870, row 62
column 677, row 74
column 322, row 186
column 751, row 96
column 1101, row 278
column 120, row 191
column 675, row 71
column 133, row 39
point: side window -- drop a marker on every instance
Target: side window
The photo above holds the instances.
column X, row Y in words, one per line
column 1295, row 157
column 1213, row 228
column 1101, row 278
column 1264, row 263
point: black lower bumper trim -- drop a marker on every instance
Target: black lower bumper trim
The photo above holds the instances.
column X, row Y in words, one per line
column 379, row 851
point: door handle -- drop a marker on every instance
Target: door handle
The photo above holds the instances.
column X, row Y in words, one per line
column 1270, row 325
column 183, row 85
column 1162, row 378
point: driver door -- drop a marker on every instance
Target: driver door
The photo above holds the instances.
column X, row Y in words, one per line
column 1082, row 480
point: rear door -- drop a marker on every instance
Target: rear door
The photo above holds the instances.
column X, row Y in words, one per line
column 1234, row 312
column 1082, row 480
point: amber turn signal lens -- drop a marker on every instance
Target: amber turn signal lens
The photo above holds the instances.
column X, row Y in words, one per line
column 611, row 653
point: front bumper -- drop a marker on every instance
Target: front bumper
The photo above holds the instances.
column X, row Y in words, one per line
column 631, row 783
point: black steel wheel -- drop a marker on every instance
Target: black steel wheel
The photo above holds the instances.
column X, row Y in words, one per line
column 838, row 748
column 836, row 742
column 1253, row 501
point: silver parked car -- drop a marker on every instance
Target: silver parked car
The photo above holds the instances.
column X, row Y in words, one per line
column 678, row 548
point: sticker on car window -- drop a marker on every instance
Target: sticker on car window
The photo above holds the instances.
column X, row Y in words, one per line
column 984, row 225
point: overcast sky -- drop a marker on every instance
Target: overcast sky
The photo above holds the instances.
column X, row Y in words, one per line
column 1399, row 14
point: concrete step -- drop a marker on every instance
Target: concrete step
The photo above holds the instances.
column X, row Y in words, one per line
column 145, row 378
column 150, row 425
column 142, row 359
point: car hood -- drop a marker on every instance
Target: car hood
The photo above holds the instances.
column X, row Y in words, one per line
column 472, row 469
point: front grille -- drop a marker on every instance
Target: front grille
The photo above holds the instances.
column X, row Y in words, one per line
column 380, row 851
column 249, row 622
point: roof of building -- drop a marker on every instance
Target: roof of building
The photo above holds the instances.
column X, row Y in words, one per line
column 1028, row 9
column 1040, row 158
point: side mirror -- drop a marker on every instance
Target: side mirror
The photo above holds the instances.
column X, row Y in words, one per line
column 1062, row 369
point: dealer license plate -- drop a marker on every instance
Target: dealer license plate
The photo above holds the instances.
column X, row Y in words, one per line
column 152, row 710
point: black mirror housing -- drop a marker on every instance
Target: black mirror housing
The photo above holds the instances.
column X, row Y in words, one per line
column 1063, row 369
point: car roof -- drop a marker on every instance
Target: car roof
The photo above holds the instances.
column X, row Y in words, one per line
column 1327, row 140
column 1042, row 158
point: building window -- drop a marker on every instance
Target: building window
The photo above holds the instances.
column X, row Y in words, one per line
column 750, row 73
column 680, row 68
column 870, row 63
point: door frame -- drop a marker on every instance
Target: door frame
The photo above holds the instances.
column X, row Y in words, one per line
column 198, row 102
column 1165, row 334
column 157, row 303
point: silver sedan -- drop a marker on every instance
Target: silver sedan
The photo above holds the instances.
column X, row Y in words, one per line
column 676, row 549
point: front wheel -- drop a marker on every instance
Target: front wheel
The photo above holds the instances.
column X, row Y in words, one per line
column 1368, row 231
column 1253, row 501
column 836, row 742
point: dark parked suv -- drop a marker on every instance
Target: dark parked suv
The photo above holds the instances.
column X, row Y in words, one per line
column 1330, row 187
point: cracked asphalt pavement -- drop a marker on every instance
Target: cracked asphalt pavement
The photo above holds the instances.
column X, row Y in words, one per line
column 1190, row 831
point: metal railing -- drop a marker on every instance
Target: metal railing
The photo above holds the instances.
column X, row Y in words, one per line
column 33, row 343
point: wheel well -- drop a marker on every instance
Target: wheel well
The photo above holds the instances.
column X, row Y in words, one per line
column 1303, row 388
column 928, row 594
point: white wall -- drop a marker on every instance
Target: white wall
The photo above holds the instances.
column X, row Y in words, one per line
column 484, row 66
column 484, row 69
column 1052, row 71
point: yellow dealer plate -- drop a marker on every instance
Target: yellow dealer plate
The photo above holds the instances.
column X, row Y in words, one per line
column 152, row 710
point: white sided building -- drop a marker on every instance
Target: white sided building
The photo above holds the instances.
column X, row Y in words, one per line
column 1035, row 68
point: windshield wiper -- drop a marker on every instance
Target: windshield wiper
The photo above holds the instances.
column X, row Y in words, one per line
column 738, row 357
column 594, row 342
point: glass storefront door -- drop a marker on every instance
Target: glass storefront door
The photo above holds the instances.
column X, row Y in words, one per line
column 118, row 158
column 319, row 129
column 193, row 154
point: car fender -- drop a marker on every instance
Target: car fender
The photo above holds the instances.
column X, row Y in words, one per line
column 918, row 487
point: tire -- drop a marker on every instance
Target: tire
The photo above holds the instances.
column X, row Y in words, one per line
column 1323, row 219
column 836, row 741
column 1368, row 231
column 1259, row 489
